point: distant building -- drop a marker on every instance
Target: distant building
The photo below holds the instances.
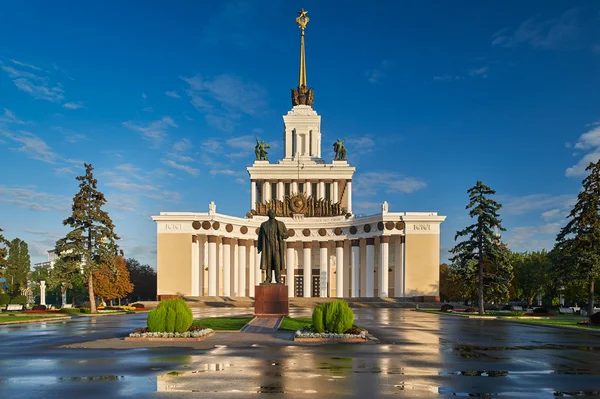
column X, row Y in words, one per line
column 52, row 258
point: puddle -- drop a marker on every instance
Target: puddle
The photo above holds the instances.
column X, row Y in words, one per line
column 476, row 373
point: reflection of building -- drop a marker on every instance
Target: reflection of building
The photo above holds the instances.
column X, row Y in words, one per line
column 331, row 252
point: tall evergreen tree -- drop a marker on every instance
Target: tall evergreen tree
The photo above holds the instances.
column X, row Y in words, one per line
column 578, row 243
column 481, row 245
column 3, row 250
column 19, row 264
column 92, row 238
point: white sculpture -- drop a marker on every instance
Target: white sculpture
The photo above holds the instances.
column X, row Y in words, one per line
column 42, row 292
column 384, row 207
column 212, row 208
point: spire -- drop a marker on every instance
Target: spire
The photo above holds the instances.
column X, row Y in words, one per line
column 302, row 95
column 302, row 21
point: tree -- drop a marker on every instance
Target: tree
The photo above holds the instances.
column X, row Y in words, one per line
column 533, row 274
column 39, row 274
column 450, row 290
column 143, row 278
column 481, row 245
column 92, row 238
column 3, row 253
column 578, row 242
column 19, row 264
column 113, row 283
column 63, row 276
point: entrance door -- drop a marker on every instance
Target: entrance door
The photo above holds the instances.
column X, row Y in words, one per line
column 316, row 286
column 299, row 286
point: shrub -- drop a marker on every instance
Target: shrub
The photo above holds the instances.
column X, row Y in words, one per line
column 446, row 307
column 595, row 319
column 317, row 319
column 138, row 306
column 171, row 315
column 38, row 307
column 19, row 299
column 71, row 310
column 4, row 299
column 540, row 310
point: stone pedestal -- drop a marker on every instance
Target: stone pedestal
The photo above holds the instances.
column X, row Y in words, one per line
column 271, row 300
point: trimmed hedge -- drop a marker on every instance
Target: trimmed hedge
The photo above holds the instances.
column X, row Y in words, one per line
column 38, row 307
column 19, row 299
column 4, row 299
column 336, row 317
column 171, row 315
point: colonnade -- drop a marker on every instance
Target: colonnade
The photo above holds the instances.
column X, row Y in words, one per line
column 334, row 187
column 231, row 267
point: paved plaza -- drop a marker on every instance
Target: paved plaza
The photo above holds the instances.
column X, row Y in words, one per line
column 419, row 355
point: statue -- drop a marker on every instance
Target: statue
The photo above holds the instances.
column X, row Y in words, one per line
column 310, row 98
column 303, row 96
column 340, row 150
column 271, row 238
column 260, row 150
column 295, row 100
column 212, row 208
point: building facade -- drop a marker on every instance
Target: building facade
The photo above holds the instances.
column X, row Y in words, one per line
column 331, row 252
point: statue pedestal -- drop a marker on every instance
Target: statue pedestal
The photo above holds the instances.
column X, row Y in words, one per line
column 271, row 300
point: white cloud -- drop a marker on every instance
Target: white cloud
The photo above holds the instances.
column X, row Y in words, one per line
column 374, row 75
column 362, row 142
column 10, row 117
column 67, row 170
column 148, row 109
column 551, row 214
column 370, row 183
column 172, row 94
column 446, row 78
column 538, row 33
column 33, row 146
column 185, row 168
column 533, row 202
column 74, row 105
column 179, row 157
column 227, row 172
column 156, row 131
column 531, row 238
column 27, row 197
column 23, row 64
column 482, row 72
column 588, row 141
column 182, row 145
column 366, row 206
column 144, row 96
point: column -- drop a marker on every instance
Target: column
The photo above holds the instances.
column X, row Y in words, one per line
column 355, row 264
column 323, row 269
column 257, row 271
column 43, row 292
column 399, row 267
column 196, row 267
column 280, row 190
column 290, row 264
column 294, row 188
column 266, row 191
column 339, row 268
column 384, row 257
column 349, row 196
column 252, row 194
column 308, row 187
column 321, row 193
column 235, row 273
column 334, row 197
column 242, row 268
column 251, row 274
column 306, row 259
column 226, row 266
column 212, row 266
column 370, row 267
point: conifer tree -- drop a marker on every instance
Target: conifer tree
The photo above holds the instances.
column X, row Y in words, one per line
column 92, row 238
column 3, row 253
column 578, row 242
column 481, row 245
column 19, row 264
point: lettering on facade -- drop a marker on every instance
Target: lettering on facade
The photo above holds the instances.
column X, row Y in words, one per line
column 422, row 227
column 172, row 226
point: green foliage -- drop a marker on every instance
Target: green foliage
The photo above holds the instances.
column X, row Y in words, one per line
column 171, row 315
column 577, row 248
column 19, row 264
column 156, row 319
column 481, row 259
column 337, row 317
column 4, row 299
column 3, row 251
column 143, row 278
column 19, row 299
column 71, row 310
column 532, row 273
column 450, row 290
column 317, row 319
column 92, row 237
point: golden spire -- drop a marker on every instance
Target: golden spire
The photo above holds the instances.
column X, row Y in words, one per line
column 302, row 20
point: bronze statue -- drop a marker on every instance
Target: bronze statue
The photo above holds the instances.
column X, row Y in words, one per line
column 271, row 238
column 303, row 96
column 260, row 150
column 340, row 150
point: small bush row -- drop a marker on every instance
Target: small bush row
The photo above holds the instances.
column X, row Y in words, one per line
column 6, row 299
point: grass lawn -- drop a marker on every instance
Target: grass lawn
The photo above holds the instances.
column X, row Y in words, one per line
column 295, row 323
column 20, row 317
column 223, row 323
column 562, row 321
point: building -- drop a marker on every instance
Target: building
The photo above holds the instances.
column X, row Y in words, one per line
column 52, row 257
column 331, row 251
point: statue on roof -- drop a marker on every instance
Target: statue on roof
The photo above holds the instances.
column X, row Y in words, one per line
column 340, row 150
column 260, row 150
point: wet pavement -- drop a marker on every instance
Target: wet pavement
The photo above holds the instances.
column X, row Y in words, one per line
column 419, row 356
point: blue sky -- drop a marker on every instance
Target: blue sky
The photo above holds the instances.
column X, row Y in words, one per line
column 166, row 98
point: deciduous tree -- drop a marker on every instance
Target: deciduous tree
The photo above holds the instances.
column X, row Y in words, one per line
column 113, row 282
column 143, row 278
column 578, row 242
column 481, row 245
column 533, row 273
column 19, row 264
column 92, row 238
column 3, row 253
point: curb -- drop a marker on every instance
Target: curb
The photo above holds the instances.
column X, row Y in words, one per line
column 36, row 320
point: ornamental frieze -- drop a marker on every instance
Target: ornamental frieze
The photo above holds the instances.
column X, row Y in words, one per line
column 299, row 204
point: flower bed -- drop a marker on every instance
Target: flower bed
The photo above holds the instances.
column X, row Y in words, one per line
column 310, row 335
column 193, row 334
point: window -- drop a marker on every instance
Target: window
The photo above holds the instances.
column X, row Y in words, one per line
column 327, row 195
column 287, row 189
column 300, row 187
column 314, row 189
